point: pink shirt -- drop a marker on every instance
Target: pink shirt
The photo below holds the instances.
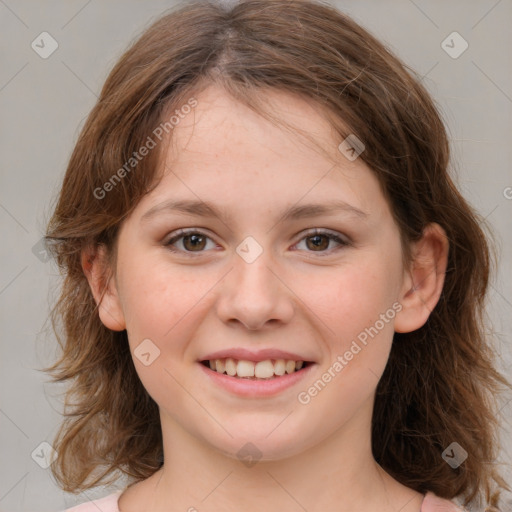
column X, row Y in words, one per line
column 431, row 503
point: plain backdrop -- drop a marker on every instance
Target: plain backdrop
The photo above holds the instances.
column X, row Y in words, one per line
column 43, row 103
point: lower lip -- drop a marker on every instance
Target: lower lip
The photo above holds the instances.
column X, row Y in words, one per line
column 257, row 387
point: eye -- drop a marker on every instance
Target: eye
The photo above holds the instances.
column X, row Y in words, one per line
column 320, row 239
column 193, row 241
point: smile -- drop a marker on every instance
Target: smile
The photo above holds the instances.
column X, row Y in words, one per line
column 267, row 369
column 249, row 383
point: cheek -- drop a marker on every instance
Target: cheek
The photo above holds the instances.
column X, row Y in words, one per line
column 161, row 304
column 157, row 297
column 353, row 296
column 356, row 303
column 357, row 340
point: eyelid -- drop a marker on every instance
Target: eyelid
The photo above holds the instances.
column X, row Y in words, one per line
column 325, row 231
column 180, row 233
column 339, row 238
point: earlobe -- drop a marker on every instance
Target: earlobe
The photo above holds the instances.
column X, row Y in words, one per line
column 423, row 282
column 103, row 287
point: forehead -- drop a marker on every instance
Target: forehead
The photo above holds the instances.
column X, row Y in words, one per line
column 220, row 125
column 223, row 152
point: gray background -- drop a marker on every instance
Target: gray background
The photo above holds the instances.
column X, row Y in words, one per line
column 43, row 103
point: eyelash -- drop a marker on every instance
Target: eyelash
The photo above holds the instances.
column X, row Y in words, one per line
column 315, row 232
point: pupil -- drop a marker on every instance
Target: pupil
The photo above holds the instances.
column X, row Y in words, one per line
column 315, row 244
column 195, row 238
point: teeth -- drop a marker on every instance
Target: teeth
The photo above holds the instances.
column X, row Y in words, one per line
column 230, row 366
column 280, row 367
column 245, row 369
column 263, row 369
column 259, row 370
column 220, row 365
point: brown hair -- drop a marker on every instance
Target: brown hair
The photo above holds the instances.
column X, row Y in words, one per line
column 440, row 382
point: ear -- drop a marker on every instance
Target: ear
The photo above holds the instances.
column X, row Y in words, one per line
column 424, row 280
column 103, row 287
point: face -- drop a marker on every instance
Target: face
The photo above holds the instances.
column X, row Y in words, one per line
column 255, row 279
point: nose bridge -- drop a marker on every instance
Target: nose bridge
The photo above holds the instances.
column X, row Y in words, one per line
column 253, row 294
column 255, row 274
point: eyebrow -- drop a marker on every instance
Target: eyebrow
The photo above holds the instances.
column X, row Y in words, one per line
column 204, row 209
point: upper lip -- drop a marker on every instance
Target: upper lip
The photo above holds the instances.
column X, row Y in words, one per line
column 250, row 355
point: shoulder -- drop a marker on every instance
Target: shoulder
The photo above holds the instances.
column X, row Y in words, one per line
column 105, row 504
column 433, row 503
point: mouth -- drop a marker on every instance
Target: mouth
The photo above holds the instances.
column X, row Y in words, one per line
column 256, row 370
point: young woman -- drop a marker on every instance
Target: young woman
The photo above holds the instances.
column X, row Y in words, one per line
column 273, row 290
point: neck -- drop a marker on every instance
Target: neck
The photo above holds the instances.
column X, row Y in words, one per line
column 338, row 474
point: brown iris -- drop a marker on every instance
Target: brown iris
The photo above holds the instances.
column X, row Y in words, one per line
column 197, row 242
column 316, row 245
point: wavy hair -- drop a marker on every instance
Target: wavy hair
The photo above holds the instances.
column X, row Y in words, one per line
column 441, row 382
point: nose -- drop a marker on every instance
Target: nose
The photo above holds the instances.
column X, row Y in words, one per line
column 255, row 295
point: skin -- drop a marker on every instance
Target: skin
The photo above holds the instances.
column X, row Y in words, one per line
column 294, row 296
